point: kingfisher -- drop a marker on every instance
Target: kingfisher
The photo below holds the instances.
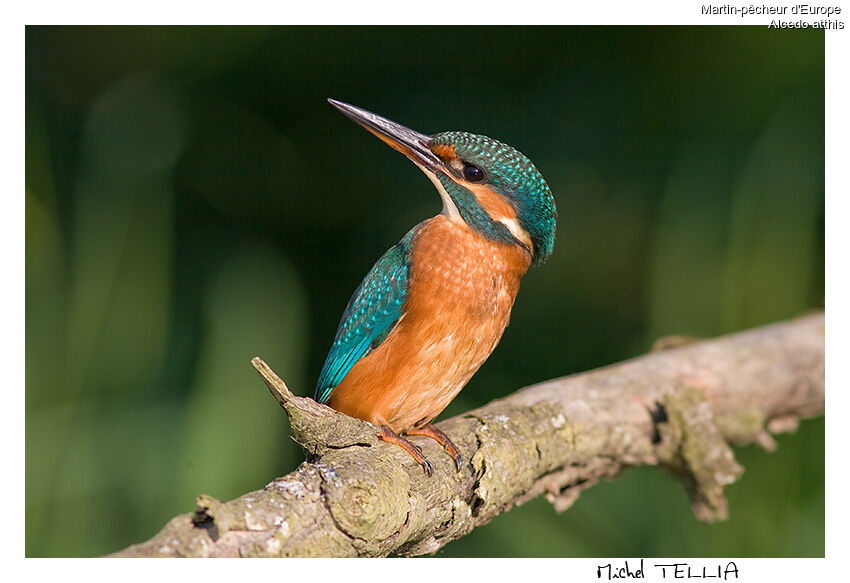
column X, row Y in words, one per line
column 434, row 306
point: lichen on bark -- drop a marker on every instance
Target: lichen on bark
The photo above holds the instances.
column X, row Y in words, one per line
column 694, row 448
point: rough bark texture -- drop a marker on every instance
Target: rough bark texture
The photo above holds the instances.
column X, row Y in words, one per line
column 678, row 408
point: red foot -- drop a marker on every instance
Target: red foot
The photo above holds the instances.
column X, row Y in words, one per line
column 429, row 430
column 391, row 436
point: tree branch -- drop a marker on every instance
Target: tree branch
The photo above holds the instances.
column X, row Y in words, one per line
column 678, row 408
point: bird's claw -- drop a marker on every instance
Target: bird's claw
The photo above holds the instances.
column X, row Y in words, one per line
column 458, row 461
column 427, row 467
column 415, row 451
column 429, row 430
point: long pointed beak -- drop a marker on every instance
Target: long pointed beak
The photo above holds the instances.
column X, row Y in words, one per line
column 410, row 143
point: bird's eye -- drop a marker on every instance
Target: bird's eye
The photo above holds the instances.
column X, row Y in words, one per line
column 473, row 173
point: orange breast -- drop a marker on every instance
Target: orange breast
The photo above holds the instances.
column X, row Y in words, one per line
column 461, row 291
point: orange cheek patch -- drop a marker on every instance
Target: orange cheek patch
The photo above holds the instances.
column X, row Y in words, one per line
column 444, row 151
column 494, row 204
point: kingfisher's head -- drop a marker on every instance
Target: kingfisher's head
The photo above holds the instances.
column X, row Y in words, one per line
column 489, row 185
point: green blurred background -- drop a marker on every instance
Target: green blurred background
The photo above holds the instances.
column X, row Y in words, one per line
column 192, row 201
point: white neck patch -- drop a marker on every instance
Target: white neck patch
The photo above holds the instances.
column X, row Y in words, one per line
column 518, row 232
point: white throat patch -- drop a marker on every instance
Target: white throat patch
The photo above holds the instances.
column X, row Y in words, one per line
column 449, row 207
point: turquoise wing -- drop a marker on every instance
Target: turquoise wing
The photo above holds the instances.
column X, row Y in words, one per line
column 371, row 314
